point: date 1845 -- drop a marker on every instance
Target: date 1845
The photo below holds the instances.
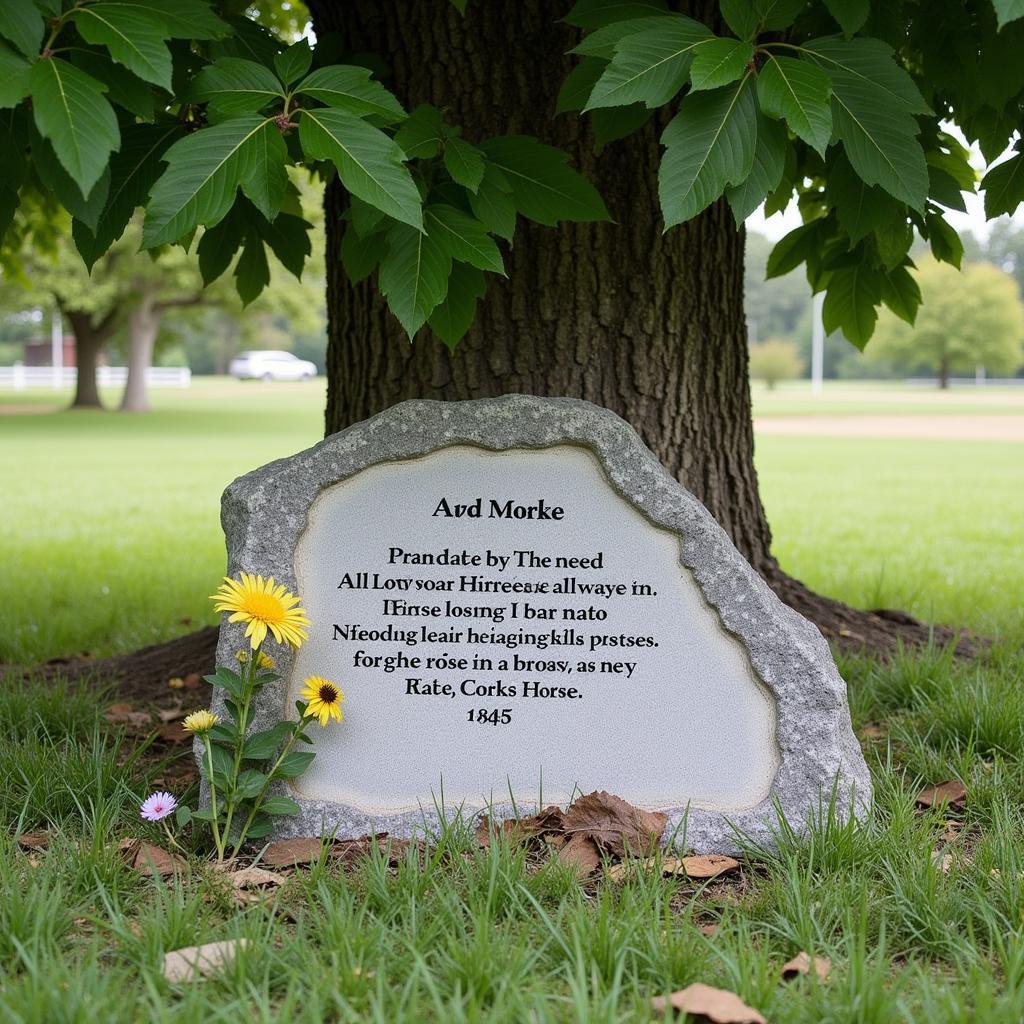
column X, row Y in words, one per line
column 492, row 717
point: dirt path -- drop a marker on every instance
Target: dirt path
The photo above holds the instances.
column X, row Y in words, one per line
column 932, row 428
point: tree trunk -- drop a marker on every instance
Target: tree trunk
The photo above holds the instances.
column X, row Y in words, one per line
column 944, row 375
column 647, row 324
column 143, row 326
column 89, row 342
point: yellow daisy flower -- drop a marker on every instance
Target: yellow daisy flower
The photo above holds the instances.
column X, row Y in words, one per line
column 200, row 722
column 263, row 660
column 264, row 605
column 324, row 700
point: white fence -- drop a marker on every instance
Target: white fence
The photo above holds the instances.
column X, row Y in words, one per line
column 21, row 377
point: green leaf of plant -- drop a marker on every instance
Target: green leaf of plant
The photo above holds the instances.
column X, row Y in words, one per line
column 1008, row 10
column 602, row 42
column 464, row 162
column 453, row 317
column 134, row 38
column 261, row 826
column 611, row 123
column 293, row 63
column 85, row 208
column 748, row 17
column 650, row 67
column 493, row 206
column 360, row 255
column 351, row 88
column 226, row 679
column 288, row 238
column 280, row 805
column 719, row 62
column 123, row 88
column 205, row 169
column 709, row 145
column 295, row 763
column 465, row 238
column 260, row 746
column 413, row 275
column 22, row 24
column 250, row 782
column 900, row 292
column 598, row 13
column 71, row 111
column 798, row 91
column 218, row 246
column 579, row 84
column 792, row 249
column 181, row 19
column 872, row 103
column 861, row 208
column 946, row 244
column 765, row 172
column 369, row 163
column 1003, row 186
column 252, row 271
column 183, row 815
column 235, row 86
column 851, row 14
column 422, row 133
column 543, row 188
column 14, row 72
column 851, row 299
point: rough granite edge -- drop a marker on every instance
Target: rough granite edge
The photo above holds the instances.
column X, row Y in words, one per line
column 264, row 512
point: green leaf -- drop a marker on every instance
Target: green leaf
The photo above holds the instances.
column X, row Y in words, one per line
column 218, row 246
column 602, row 42
column 183, row 815
column 252, row 271
column 57, row 181
column 946, row 244
column 422, row 132
column 262, row 745
column 765, row 172
column 351, row 88
column 464, row 237
column 360, row 255
column 250, row 782
column 14, row 76
column 280, row 805
column 709, row 145
column 365, row 218
column 493, row 206
column 598, row 13
column 288, row 238
column 123, row 88
column 748, row 17
column 793, row 249
column 134, row 38
column 413, row 275
column 181, row 19
column 71, row 111
column 1003, row 186
column 235, row 86
column 453, row 317
column 464, row 162
column 650, row 67
column 861, row 208
column 543, row 188
column 851, row 299
column 293, row 63
column 298, row 760
column 851, row 14
column 205, row 169
column 611, row 123
column 223, row 760
column 460, row 5
column 369, row 163
column 22, row 24
column 1008, row 10
column 719, row 62
column 799, row 92
column 226, row 679
column 579, row 84
column 900, row 292
column 261, row 826
column 872, row 103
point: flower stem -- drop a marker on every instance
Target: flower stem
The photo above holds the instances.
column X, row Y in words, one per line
column 242, row 725
column 208, row 743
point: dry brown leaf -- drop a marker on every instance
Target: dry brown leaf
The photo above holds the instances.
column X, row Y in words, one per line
column 614, row 824
column 951, row 831
column 872, row 731
column 34, row 840
column 192, row 681
column 206, row 960
column 286, row 853
column 953, row 793
column 707, row 1003
column 125, row 714
column 709, row 866
column 254, row 878
column 709, row 930
column 581, row 852
column 171, row 714
column 549, row 821
column 174, row 732
column 803, row 963
column 150, row 860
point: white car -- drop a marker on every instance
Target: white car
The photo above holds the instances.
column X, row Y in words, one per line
column 270, row 365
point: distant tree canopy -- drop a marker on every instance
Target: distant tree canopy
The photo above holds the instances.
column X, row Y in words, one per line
column 774, row 360
column 195, row 111
column 968, row 318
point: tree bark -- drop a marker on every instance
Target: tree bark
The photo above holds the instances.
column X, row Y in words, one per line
column 944, row 375
column 647, row 324
column 89, row 341
column 143, row 326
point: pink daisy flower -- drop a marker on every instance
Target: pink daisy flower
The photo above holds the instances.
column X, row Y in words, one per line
column 158, row 806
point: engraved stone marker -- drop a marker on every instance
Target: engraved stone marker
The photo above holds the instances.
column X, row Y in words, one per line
column 520, row 604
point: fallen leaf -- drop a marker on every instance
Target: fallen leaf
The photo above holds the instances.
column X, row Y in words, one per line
column 872, row 731
column 34, row 840
column 709, row 929
column 254, row 878
column 150, row 860
column 174, row 732
column 618, row 873
column 953, row 792
column 549, row 821
column 615, row 825
column 943, row 861
column 286, row 853
column 709, row 866
column 951, row 831
column 192, row 681
column 581, row 852
column 711, row 1004
column 171, row 714
column 206, row 960
column 802, row 963
column 125, row 714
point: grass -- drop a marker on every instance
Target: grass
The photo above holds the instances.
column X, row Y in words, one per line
column 490, row 935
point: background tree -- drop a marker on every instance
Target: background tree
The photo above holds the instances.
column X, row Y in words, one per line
column 969, row 318
column 774, row 360
column 194, row 112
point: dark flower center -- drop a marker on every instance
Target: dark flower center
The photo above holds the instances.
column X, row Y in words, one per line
column 328, row 694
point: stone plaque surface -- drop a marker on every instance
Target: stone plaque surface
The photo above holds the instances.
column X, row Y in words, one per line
column 520, row 604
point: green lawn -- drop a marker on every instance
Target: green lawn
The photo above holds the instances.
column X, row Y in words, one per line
column 112, row 537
